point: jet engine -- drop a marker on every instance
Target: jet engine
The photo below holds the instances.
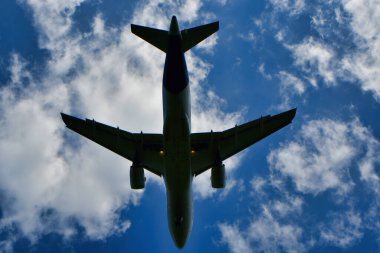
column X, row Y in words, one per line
column 218, row 176
column 136, row 177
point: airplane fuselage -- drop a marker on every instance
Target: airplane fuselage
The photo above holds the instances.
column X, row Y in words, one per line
column 176, row 132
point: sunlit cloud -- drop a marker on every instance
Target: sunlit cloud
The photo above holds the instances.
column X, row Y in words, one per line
column 320, row 158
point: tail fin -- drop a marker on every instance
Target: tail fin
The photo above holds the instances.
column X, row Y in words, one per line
column 192, row 36
column 156, row 37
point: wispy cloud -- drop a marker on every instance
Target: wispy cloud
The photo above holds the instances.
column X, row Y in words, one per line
column 263, row 72
column 233, row 237
column 270, row 235
column 294, row 7
column 315, row 58
column 343, row 230
column 270, row 231
column 290, row 86
column 346, row 47
column 364, row 63
column 320, row 158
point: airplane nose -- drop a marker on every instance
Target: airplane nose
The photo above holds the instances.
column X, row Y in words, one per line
column 180, row 231
column 174, row 28
column 180, row 240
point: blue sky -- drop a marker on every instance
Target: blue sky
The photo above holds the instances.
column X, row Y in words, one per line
column 311, row 187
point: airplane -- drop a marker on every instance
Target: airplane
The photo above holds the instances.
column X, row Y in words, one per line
column 178, row 155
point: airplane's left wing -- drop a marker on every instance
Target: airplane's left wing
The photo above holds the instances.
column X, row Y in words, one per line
column 144, row 147
column 212, row 148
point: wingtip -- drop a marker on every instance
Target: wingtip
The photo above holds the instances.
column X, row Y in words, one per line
column 217, row 25
column 65, row 118
column 293, row 113
column 133, row 27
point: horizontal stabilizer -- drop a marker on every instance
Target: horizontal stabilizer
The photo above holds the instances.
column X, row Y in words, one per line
column 192, row 36
column 156, row 37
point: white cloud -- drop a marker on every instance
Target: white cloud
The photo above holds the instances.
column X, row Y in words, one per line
column 18, row 72
column 290, row 205
column 208, row 44
column 7, row 245
column 265, row 233
column 341, row 54
column 343, row 229
column 280, row 36
column 270, row 235
column 318, row 19
column 290, row 85
column 233, row 237
column 315, row 57
column 257, row 184
column 371, row 217
column 98, row 25
column 189, row 10
column 321, row 156
column 46, row 181
column 222, row 2
column 53, row 18
column 52, row 185
column 263, row 72
column 281, row 226
column 364, row 63
column 294, row 7
column 291, row 82
column 249, row 37
column 156, row 13
column 232, row 183
column 275, row 229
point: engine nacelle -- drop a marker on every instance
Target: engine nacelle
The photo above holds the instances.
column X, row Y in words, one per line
column 218, row 176
column 136, row 177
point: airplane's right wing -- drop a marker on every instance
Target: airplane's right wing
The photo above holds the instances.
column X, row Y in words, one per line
column 213, row 147
column 133, row 146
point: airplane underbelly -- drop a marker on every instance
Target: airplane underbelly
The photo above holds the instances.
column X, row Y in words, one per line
column 177, row 163
column 177, row 150
column 178, row 175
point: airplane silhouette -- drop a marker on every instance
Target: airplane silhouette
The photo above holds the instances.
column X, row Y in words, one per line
column 178, row 155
